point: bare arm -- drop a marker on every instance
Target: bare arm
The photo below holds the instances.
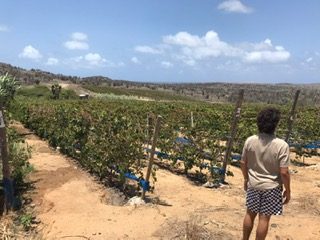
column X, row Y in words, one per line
column 244, row 166
column 244, row 169
column 285, row 177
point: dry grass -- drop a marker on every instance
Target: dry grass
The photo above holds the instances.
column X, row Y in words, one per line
column 10, row 231
column 310, row 204
column 195, row 228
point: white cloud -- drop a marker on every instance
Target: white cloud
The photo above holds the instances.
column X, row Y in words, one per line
column 94, row 59
column 267, row 56
column 72, row 45
column 52, row 61
column 234, row 6
column 183, row 38
column 190, row 49
column 189, row 62
column 266, row 52
column 79, row 36
column 3, row 28
column 31, row 53
column 121, row 64
column 310, row 59
column 91, row 61
column 78, row 41
column 195, row 47
column 77, row 59
column 147, row 49
column 135, row 60
column 166, row 64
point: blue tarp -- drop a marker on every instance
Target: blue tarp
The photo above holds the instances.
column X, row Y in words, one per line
column 8, row 191
column 311, row 145
column 143, row 183
column 236, row 157
column 215, row 169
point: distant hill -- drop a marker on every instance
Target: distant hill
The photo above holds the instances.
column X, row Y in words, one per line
column 212, row 92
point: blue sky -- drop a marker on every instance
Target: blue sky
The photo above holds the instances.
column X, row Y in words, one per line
column 165, row 40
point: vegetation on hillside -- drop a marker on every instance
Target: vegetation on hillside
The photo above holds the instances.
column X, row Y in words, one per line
column 143, row 93
column 211, row 92
column 42, row 91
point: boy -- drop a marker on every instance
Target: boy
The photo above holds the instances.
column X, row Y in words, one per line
column 264, row 164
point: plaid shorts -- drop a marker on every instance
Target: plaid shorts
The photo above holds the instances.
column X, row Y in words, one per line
column 268, row 202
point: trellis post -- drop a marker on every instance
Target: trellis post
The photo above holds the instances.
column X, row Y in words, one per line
column 7, row 182
column 234, row 125
column 153, row 148
column 191, row 117
column 149, row 128
column 292, row 115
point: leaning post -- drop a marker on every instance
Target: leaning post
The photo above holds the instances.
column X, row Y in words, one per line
column 149, row 128
column 234, row 125
column 153, row 148
column 292, row 115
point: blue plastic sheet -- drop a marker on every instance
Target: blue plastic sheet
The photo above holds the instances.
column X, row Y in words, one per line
column 310, row 145
column 236, row 157
column 143, row 183
column 8, row 191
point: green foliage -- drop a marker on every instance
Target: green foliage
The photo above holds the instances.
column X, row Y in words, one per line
column 56, row 90
column 26, row 220
column 8, row 86
column 36, row 91
column 19, row 154
column 105, row 142
column 107, row 137
column 68, row 94
column 42, row 91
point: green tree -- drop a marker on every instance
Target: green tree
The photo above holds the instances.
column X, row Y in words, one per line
column 56, row 90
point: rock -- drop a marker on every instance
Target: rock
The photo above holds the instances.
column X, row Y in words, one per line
column 273, row 225
column 136, row 201
column 36, row 221
column 211, row 185
column 208, row 185
column 293, row 171
column 224, row 185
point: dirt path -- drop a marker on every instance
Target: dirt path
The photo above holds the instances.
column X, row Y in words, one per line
column 71, row 205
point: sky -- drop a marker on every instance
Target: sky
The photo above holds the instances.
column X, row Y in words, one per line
column 251, row 41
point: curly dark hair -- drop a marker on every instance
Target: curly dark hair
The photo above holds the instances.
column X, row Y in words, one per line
column 268, row 120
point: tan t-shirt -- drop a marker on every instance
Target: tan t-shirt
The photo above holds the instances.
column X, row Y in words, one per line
column 265, row 154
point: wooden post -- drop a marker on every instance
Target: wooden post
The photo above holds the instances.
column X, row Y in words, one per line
column 153, row 148
column 7, row 182
column 292, row 115
column 236, row 117
column 191, row 116
column 149, row 128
